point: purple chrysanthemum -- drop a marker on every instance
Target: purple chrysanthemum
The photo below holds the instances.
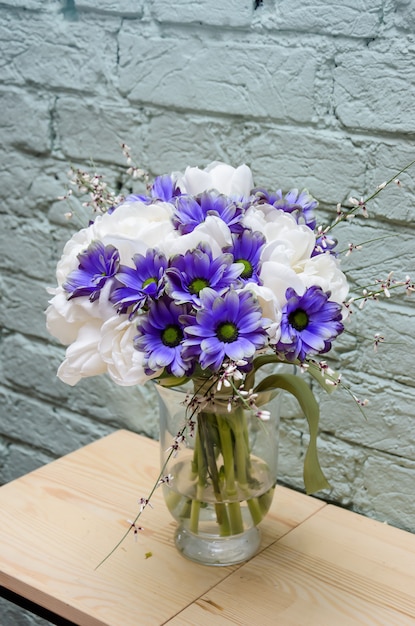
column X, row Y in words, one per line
column 309, row 323
column 195, row 270
column 161, row 338
column 97, row 264
column 246, row 249
column 299, row 204
column 164, row 189
column 225, row 327
column 192, row 211
column 324, row 243
column 135, row 286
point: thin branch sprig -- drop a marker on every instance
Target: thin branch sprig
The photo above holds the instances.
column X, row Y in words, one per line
column 334, row 380
column 361, row 204
column 193, row 407
column 247, row 397
column 133, row 169
column 100, row 196
column 352, row 246
column 161, row 478
column 385, row 287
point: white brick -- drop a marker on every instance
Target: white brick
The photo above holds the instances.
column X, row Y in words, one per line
column 18, row 176
column 33, row 242
column 377, row 257
column 340, row 461
column 94, row 131
column 25, row 4
column 263, row 81
column 233, row 13
column 389, row 491
column 373, row 89
column 34, row 134
column 57, row 54
column 321, row 161
column 26, row 302
column 355, row 19
column 57, row 433
column 124, row 8
column 404, row 15
column 30, row 365
column 23, row 459
column 13, row 33
column 385, row 425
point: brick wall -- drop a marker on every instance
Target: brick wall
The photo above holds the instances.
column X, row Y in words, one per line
column 308, row 94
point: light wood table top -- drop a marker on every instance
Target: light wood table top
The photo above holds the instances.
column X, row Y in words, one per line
column 318, row 565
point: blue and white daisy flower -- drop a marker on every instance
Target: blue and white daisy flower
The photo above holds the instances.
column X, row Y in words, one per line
column 246, row 249
column 161, row 338
column 309, row 323
column 97, row 264
column 135, row 286
column 228, row 327
column 192, row 211
column 195, row 270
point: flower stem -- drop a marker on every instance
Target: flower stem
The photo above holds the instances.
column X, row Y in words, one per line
column 205, row 461
column 199, row 470
column 221, row 464
column 228, row 445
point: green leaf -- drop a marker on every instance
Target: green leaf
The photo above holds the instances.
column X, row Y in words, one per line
column 264, row 359
column 171, row 381
column 259, row 361
column 314, row 479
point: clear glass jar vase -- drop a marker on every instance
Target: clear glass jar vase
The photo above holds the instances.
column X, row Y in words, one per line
column 221, row 478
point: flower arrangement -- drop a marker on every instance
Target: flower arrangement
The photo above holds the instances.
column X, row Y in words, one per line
column 203, row 272
column 205, row 279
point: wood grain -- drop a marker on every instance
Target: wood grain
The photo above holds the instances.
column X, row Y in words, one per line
column 336, row 568
column 58, row 522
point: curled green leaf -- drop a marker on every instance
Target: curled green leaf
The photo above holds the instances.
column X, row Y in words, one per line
column 314, row 479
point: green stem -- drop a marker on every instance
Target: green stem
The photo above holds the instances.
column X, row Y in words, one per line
column 207, row 438
column 242, row 460
column 243, row 464
column 222, row 458
column 265, row 501
column 194, row 515
column 223, row 520
column 227, row 450
column 255, row 510
column 199, row 470
column 206, row 431
column 229, row 462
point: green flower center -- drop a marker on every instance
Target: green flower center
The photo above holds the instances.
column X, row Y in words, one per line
column 172, row 335
column 148, row 281
column 248, row 269
column 227, row 332
column 197, row 285
column 298, row 319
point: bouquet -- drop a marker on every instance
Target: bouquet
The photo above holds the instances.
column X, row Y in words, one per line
column 205, row 279
column 204, row 272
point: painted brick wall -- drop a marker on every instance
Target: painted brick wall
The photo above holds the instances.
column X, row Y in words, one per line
column 309, row 94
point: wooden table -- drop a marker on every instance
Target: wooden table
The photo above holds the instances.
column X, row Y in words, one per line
column 319, row 565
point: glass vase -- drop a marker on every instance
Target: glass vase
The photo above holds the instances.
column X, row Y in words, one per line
column 221, row 478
